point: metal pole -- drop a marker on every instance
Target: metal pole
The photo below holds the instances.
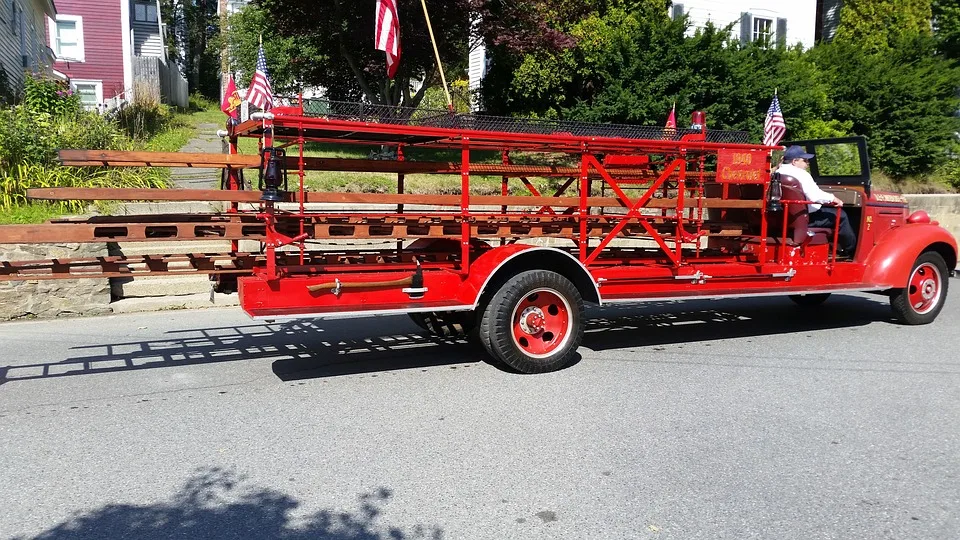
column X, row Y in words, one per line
column 224, row 50
column 443, row 79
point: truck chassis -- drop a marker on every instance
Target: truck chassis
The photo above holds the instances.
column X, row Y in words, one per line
column 637, row 214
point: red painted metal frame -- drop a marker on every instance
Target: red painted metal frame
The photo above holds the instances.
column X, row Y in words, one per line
column 753, row 266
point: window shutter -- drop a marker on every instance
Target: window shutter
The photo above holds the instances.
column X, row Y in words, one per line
column 782, row 32
column 746, row 27
column 677, row 11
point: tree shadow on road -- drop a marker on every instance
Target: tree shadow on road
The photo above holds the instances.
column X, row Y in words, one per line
column 218, row 504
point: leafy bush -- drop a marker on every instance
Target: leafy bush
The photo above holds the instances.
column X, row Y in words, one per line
column 89, row 131
column 198, row 102
column 50, row 96
column 25, row 137
column 142, row 120
column 14, row 184
column 30, row 137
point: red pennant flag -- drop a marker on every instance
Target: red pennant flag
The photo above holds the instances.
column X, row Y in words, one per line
column 672, row 119
column 231, row 100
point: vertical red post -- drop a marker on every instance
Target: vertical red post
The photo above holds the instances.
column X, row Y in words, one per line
column 233, row 183
column 681, row 196
column 465, row 206
column 584, row 193
column 400, row 188
column 504, row 186
column 301, row 174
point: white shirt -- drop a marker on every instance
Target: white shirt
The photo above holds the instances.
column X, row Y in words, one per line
column 810, row 188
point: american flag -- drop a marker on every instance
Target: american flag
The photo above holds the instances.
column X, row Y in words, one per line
column 260, row 94
column 774, row 127
column 387, row 34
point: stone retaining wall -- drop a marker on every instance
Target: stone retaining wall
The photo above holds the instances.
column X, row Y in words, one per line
column 942, row 208
column 60, row 298
column 54, row 297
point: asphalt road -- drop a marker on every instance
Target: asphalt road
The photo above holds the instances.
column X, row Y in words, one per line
column 726, row 419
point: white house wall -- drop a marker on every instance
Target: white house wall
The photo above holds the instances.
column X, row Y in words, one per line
column 801, row 16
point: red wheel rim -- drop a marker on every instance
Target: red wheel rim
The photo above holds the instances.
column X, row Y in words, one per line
column 541, row 323
column 923, row 289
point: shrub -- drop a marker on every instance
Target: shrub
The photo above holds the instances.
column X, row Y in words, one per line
column 89, row 131
column 25, row 137
column 15, row 183
column 50, row 96
column 142, row 120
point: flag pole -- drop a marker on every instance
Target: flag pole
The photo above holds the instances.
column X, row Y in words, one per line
column 443, row 79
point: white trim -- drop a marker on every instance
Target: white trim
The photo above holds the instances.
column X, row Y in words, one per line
column 53, row 36
column 98, row 88
column 780, row 292
column 359, row 314
column 127, row 48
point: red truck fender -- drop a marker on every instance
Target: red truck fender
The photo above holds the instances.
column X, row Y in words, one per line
column 499, row 264
column 891, row 259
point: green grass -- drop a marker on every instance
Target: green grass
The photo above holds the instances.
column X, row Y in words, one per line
column 30, row 213
column 182, row 126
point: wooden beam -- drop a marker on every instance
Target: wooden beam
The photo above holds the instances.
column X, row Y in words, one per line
column 133, row 194
column 120, row 158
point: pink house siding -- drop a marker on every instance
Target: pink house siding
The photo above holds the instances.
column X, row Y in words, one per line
column 102, row 44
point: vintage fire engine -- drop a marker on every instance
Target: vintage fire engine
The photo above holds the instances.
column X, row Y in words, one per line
column 637, row 214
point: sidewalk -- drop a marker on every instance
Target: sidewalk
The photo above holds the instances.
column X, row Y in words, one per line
column 155, row 293
column 206, row 141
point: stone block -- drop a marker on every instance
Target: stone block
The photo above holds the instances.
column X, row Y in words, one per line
column 56, row 297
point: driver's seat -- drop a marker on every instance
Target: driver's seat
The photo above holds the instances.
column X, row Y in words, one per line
column 798, row 218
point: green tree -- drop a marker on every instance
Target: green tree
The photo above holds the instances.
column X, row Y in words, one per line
column 875, row 24
column 193, row 42
column 629, row 62
column 946, row 20
column 332, row 44
column 903, row 100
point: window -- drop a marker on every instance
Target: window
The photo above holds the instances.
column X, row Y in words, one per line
column 66, row 37
column 838, row 159
column 677, row 12
column 143, row 12
column 90, row 92
column 762, row 30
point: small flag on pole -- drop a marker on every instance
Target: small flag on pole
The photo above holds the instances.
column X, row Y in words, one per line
column 260, row 94
column 231, row 100
column 672, row 119
column 387, row 34
column 774, row 127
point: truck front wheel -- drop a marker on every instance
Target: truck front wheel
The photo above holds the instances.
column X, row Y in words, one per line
column 534, row 323
column 922, row 299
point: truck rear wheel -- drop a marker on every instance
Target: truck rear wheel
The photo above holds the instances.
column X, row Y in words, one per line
column 922, row 299
column 534, row 323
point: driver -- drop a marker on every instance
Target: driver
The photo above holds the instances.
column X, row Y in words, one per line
column 795, row 163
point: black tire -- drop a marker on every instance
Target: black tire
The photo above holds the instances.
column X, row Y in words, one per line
column 809, row 300
column 543, row 336
column 446, row 324
column 925, row 293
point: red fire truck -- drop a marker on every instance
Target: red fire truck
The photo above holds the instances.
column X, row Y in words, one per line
column 633, row 214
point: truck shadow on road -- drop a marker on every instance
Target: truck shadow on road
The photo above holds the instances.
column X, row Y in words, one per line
column 661, row 323
column 316, row 349
column 217, row 503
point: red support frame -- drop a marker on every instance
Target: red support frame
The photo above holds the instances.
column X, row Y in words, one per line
column 678, row 165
